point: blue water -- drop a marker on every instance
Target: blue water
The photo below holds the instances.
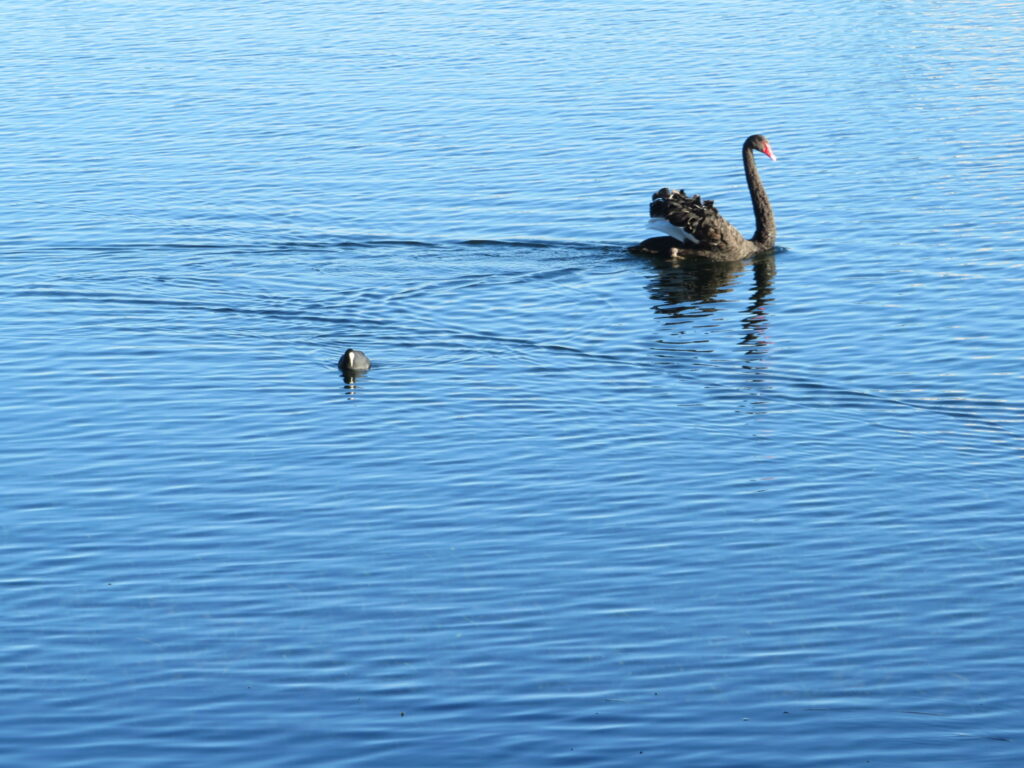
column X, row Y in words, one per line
column 587, row 508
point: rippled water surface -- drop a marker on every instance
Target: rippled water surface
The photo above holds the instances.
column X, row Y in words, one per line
column 587, row 508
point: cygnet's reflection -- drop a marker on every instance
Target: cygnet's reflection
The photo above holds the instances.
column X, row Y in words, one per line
column 687, row 294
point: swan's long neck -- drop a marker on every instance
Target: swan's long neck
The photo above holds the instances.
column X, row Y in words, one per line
column 765, row 234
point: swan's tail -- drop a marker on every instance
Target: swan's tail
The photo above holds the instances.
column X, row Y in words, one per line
column 670, row 229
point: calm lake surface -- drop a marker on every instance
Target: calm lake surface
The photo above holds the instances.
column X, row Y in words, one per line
column 587, row 508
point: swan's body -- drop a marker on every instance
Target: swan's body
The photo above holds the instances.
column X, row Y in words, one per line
column 696, row 229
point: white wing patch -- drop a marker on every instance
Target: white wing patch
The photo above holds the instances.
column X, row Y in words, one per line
column 670, row 229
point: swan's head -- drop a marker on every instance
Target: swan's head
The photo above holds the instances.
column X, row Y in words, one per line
column 760, row 143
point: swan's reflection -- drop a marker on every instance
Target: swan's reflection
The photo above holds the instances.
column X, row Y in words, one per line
column 687, row 294
column 755, row 319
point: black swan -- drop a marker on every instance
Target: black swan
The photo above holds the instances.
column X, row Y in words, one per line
column 695, row 228
column 354, row 361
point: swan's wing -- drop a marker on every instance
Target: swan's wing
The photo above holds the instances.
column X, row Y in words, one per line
column 667, row 227
column 691, row 220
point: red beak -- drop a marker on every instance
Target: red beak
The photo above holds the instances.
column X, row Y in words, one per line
column 768, row 151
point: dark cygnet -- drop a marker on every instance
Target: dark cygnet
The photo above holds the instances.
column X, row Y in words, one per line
column 354, row 361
